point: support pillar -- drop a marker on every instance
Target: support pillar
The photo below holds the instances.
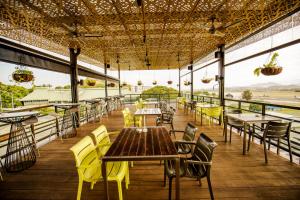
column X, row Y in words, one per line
column 74, row 53
column 105, row 81
column 179, row 83
column 192, row 81
column 119, row 76
column 220, row 54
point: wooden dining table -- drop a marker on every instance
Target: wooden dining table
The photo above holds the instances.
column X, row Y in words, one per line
column 133, row 144
column 247, row 119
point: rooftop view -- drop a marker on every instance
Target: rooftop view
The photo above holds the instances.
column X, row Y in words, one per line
column 148, row 99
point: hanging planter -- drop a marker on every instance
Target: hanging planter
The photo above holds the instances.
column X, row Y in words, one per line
column 154, row 82
column 124, row 84
column 269, row 69
column 111, row 85
column 170, row 82
column 206, row 80
column 22, row 75
column 186, row 83
column 90, row 82
column 139, row 83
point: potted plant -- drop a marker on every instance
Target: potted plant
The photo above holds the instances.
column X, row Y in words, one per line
column 22, row 75
column 270, row 68
column 186, row 83
column 90, row 82
column 111, row 85
column 170, row 82
column 154, row 82
column 139, row 83
column 206, row 80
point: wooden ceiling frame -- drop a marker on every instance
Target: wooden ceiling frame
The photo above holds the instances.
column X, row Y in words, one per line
column 170, row 27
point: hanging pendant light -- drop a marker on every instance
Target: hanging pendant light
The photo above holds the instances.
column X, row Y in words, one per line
column 205, row 78
column 139, row 83
column 154, row 81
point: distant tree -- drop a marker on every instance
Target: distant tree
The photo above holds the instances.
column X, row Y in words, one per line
column 162, row 90
column 8, row 92
column 58, row 87
column 255, row 107
column 247, row 95
column 67, row 86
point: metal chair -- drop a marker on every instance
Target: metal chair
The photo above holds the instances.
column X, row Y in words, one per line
column 232, row 123
column 198, row 166
column 274, row 130
column 166, row 118
column 188, row 136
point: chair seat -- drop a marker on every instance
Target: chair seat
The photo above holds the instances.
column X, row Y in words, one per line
column 116, row 170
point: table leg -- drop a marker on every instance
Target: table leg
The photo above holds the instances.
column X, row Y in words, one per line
column 244, row 139
column 144, row 120
column 201, row 115
column 225, row 129
column 177, row 178
column 106, row 196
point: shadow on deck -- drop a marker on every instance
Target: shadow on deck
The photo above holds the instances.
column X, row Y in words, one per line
column 234, row 176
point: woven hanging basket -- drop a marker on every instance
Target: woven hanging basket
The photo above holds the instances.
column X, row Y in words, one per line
column 206, row 80
column 19, row 77
column 154, row 82
column 271, row 71
column 170, row 82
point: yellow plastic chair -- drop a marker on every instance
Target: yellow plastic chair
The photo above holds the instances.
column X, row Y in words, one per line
column 181, row 102
column 129, row 119
column 102, row 140
column 213, row 112
column 139, row 104
column 89, row 166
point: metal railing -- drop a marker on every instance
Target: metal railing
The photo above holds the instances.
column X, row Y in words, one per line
column 261, row 108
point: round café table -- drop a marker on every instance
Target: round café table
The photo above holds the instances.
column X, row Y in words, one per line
column 20, row 152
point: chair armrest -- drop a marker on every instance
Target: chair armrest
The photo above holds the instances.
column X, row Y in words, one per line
column 198, row 162
column 87, row 166
column 177, row 131
column 185, row 142
column 103, row 145
column 114, row 133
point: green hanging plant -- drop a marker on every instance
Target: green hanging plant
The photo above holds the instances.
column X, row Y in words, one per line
column 22, row 74
column 270, row 68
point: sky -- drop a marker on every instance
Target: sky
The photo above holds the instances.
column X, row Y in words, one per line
column 240, row 74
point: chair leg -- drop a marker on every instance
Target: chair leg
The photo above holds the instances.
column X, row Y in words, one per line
column 79, row 189
column 209, row 187
column 265, row 150
column 230, row 133
column 165, row 176
column 92, row 185
column 131, row 163
column 127, row 181
column 172, row 126
column 170, row 188
column 120, row 190
column 290, row 150
column 269, row 145
column 278, row 145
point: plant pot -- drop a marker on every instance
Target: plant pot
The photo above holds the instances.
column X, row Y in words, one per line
column 91, row 83
column 170, row 82
column 111, row 85
column 154, row 82
column 22, row 77
column 270, row 71
column 206, row 80
column 139, row 83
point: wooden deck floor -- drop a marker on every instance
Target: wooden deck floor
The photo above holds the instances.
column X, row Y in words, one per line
column 234, row 176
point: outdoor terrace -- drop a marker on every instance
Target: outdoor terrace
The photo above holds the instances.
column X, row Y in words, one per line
column 234, row 176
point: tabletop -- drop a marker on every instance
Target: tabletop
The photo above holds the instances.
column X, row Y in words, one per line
column 18, row 114
column 206, row 105
column 252, row 117
column 133, row 144
column 148, row 111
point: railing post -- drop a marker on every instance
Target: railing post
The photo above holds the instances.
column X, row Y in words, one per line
column 263, row 109
column 240, row 105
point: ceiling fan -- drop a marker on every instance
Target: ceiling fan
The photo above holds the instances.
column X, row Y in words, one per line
column 74, row 32
column 219, row 30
